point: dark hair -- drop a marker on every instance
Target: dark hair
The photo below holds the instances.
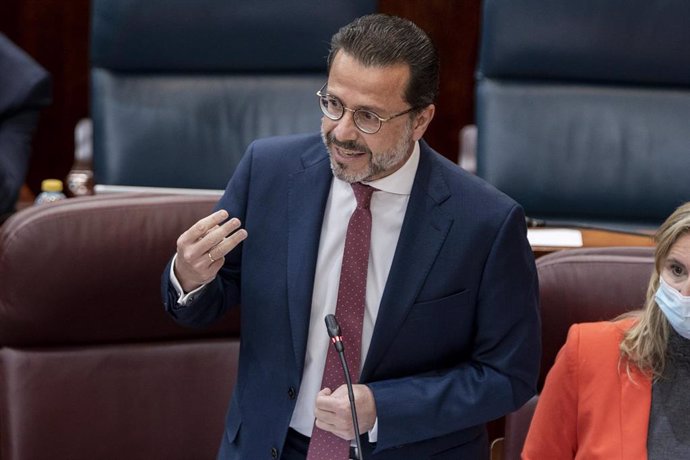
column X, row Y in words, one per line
column 382, row 40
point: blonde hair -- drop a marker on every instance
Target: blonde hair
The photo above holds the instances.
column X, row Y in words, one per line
column 644, row 344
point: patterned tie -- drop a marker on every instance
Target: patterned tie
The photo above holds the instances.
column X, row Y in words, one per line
column 349, row 311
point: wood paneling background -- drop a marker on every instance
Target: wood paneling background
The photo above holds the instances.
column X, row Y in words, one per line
column 453, row 26
column 56, row 34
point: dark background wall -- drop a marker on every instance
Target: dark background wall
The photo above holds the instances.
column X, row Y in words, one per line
column 56, row 34
column 453, row 25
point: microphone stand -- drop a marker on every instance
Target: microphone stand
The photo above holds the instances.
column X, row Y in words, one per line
column 334, row 333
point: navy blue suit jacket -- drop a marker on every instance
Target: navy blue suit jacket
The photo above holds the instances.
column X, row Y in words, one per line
column 456, row 342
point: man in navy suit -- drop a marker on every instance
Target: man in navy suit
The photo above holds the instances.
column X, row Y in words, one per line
column 450, row 336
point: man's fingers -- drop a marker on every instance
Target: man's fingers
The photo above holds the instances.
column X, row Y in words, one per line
column 217, row 235
column 202, row 248
column 333, row 414
column 202, row 227
column 207, row 241
column 227, row 244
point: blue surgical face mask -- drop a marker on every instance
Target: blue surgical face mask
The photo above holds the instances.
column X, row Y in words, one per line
column 676, row 307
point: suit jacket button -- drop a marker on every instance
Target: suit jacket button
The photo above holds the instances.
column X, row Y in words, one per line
column 292, row 394
column 274, row 452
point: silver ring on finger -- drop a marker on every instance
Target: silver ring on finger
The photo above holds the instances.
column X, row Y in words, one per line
column 211, row 257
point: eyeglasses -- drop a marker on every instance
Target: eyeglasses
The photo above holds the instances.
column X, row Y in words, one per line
column 365, row 120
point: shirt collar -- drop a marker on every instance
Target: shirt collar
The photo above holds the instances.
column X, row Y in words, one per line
column 400, row 182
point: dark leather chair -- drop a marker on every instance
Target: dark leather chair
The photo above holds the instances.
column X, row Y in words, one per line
column 516, row 428
column 91, row 367
column 583, row 108
column 584, row 285
column 575, row 286
column 180, row 88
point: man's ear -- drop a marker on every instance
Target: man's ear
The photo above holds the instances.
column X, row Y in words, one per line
column 422, row 120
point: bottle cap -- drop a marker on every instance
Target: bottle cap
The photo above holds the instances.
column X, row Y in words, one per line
column 51, row 185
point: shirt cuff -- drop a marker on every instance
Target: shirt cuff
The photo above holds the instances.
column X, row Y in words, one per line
column 374, row 432
column 184, row 299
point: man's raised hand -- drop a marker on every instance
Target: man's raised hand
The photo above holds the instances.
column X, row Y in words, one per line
column 201, row 250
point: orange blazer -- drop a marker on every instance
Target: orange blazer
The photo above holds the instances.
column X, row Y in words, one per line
column 589, row 407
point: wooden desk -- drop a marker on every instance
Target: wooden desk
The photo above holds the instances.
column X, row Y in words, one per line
column 592, row 238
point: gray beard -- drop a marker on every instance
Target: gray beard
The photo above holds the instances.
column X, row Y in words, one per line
column 378, row 164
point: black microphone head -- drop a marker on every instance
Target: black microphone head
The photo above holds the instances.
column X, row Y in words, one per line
column 332, row 326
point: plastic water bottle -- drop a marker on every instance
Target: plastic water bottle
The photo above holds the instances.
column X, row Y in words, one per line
column 51, row 190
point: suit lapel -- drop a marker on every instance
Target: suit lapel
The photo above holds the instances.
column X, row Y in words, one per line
column 307, row 197
column 423, row 232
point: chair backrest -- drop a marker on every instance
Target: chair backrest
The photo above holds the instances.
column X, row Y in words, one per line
column 180, row 88
column 583, row 107
column 584, row 285
column 516, row 428
column 90, row 364
column 579, row 285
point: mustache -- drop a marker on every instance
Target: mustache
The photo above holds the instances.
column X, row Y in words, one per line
column 347, row 145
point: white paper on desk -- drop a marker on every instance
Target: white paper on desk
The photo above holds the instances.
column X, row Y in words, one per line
column 554, row 237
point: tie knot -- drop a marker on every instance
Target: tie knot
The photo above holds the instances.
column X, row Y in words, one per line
column 362, row 194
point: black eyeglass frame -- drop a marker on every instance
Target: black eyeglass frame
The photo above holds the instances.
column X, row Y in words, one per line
column 330, row 116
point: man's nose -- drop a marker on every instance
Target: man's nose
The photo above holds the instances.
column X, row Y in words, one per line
column 346, row 129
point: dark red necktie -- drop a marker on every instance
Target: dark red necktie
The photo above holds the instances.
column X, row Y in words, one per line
column 350, row 314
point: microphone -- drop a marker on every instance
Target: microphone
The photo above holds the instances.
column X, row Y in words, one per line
column 334, row 333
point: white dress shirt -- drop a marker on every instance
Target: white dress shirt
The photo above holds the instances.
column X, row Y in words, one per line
column 388, row 206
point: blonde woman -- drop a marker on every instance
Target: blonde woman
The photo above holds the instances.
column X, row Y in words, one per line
column 619, row 390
